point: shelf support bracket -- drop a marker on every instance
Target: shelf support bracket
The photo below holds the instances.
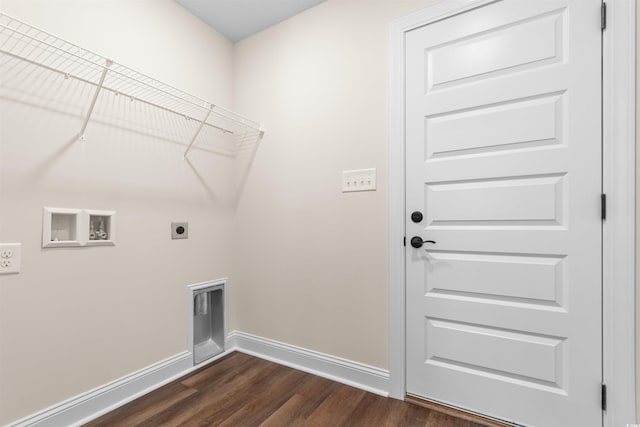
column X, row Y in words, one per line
column 195, row 136
column 108, row 63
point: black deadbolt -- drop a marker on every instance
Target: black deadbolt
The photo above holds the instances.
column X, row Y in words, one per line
column 416, row 216
column 180, row 229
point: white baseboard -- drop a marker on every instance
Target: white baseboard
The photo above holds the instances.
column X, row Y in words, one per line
column 369, row 378
column 87, row 406
column 92, row 404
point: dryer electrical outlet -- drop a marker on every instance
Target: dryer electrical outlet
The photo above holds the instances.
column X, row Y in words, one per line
column 179, row 230
column 10, row 257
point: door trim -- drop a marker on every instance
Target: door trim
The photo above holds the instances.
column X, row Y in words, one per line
column 619, row 183
column 619, row 231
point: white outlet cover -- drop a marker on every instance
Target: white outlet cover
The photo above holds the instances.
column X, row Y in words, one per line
column 359, row 180
column 10, row 256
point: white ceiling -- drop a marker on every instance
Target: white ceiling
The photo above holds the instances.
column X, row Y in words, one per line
column 238, row 19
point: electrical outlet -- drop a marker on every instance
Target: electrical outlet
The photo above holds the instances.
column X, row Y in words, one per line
column 179, row 230
column 10, row 257
column 359, row 180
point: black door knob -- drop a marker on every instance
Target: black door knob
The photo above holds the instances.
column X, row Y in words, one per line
column 416, row 216
column 417, row 242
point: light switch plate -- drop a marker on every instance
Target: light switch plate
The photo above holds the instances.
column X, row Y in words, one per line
column 359, row 180
column 10, row 257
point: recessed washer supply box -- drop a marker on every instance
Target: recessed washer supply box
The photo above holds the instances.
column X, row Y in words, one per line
column 63, row 227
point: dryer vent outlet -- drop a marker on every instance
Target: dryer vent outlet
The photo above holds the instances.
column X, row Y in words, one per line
column 179, row 230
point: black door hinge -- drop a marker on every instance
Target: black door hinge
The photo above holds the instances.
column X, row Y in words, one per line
column 404, row 241
column 603, row 206
column 603, row 16
column 604, row 397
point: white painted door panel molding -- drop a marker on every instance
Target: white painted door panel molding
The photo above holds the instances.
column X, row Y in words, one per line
column 503, row 156
column 619, row 184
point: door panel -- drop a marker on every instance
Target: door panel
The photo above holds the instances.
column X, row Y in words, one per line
column 501, row 49
column 516, row 200
column 503, row 124
column 499, row 352
column 513, row 125
column 507, row 277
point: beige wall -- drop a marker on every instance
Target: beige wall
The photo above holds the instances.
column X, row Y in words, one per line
column 77, row 318
column 311, row 263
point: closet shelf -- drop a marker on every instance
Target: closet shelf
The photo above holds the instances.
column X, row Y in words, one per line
column 27, row 43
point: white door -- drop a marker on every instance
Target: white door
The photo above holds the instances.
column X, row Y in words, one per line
column 503, row 145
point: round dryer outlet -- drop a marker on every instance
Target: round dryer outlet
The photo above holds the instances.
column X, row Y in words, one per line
column 179, row 230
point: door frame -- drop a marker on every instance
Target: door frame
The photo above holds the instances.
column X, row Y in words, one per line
column 619, row 184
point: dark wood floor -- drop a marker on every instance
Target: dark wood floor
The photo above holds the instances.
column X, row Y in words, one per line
column 241, row 390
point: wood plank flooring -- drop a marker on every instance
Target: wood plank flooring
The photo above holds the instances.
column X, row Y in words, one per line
column 242, row 390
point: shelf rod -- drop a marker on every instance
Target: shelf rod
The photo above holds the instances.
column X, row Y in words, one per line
column 230, row 115
column 108, row 89
column 108, row 63
column 193, row 140
column 52, row 46
column 141, row 79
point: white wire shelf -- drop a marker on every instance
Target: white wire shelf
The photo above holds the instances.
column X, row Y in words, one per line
column 25, row 42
